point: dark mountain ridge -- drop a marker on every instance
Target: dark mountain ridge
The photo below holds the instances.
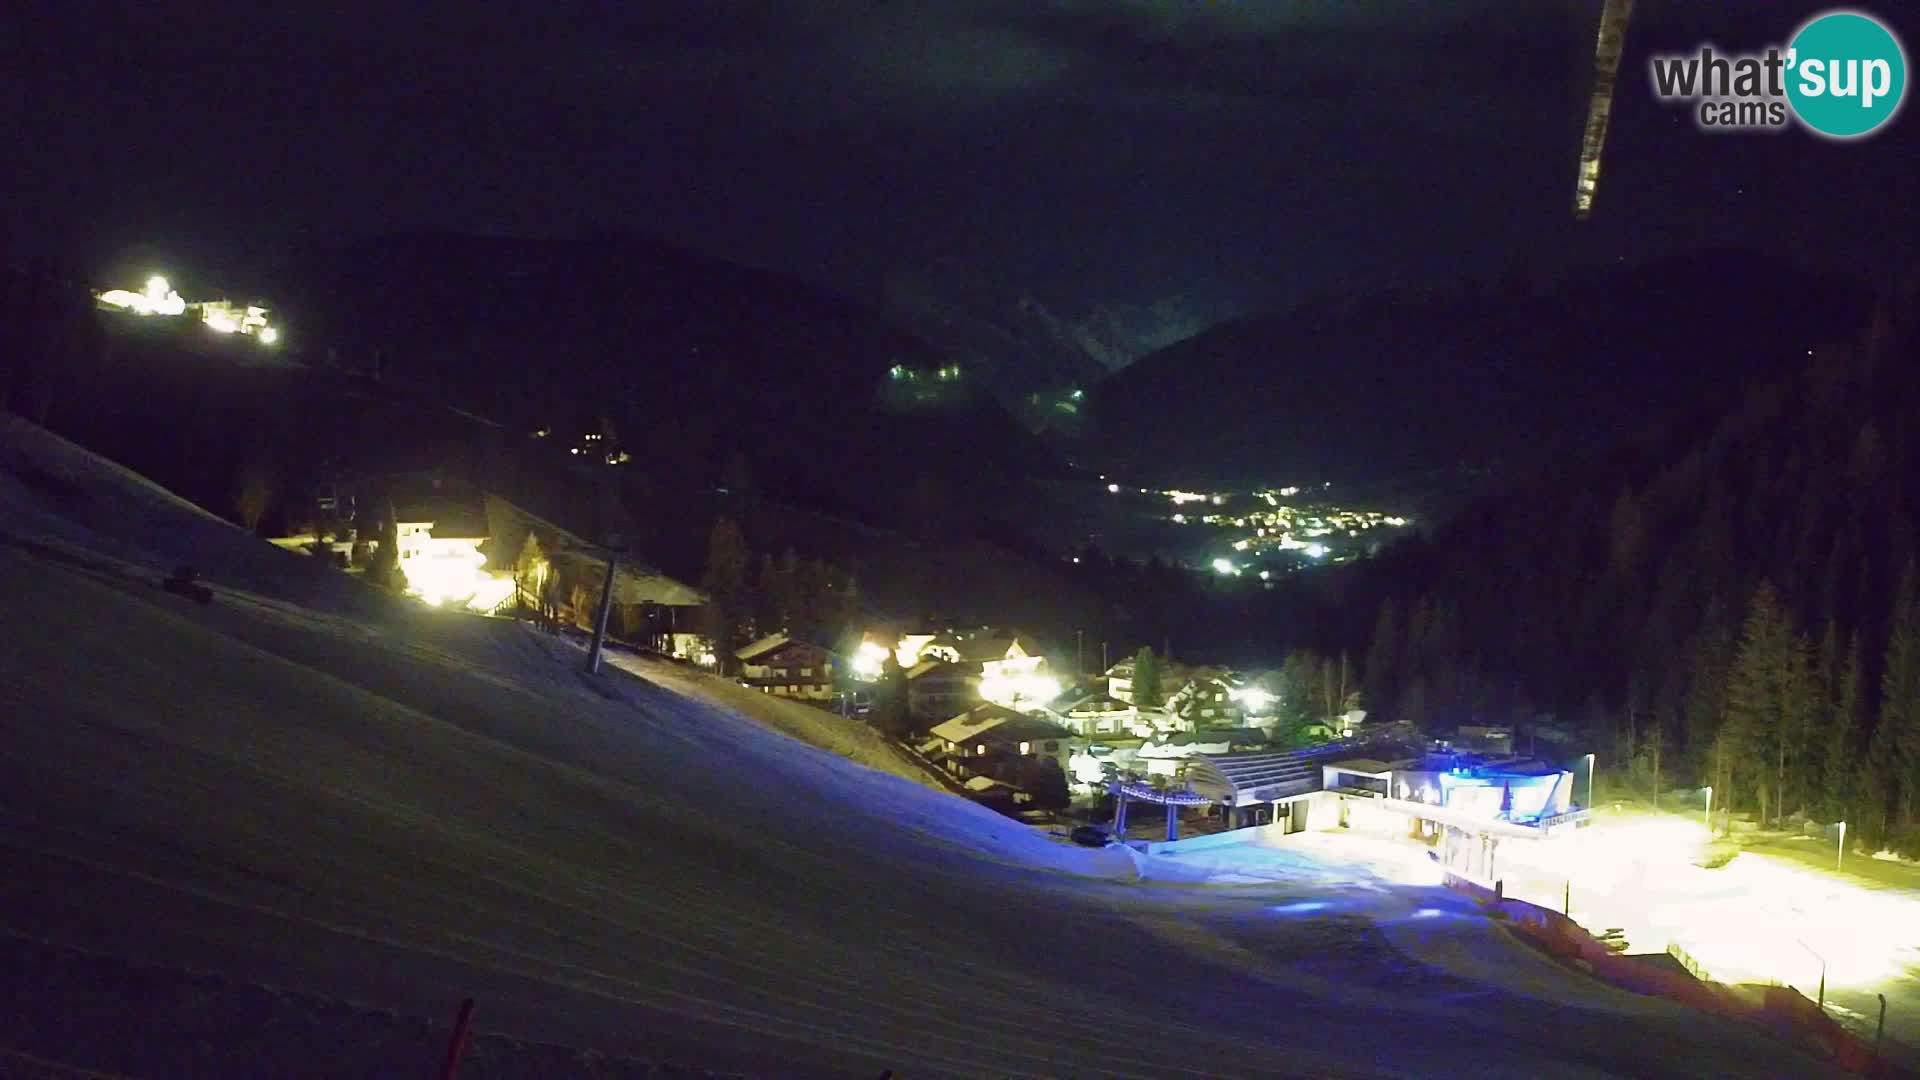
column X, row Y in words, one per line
column 690, row 362
column 1364, row 391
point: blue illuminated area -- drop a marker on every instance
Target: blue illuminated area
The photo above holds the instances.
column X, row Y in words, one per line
column 1512, row 793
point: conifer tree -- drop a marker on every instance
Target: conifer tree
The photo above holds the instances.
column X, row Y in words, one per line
column 1900, row 696
column 725, row 583
column 1841, row 774
column 1147, row 691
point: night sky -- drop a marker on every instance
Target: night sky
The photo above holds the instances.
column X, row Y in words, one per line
column 1080, row 151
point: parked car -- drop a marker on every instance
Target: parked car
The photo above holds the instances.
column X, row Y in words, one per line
column 1090, row 836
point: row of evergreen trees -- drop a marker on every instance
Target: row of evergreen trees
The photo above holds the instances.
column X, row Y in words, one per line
column 1309, row 691
column 810, row 599
column 1787, row 725
column 1726, row 601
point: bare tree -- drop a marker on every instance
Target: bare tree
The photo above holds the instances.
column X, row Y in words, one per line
column 256, row 495
column 1334, row 687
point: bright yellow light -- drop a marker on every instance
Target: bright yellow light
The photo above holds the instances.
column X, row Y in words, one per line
column 1020, row 689
column 268, row 335
column 908, row 651
column 157, row 299
column 491, row 593
column 1086, row 768
column 869, row 660
column 221, row 322
column 1253, row 697
column 444, row 570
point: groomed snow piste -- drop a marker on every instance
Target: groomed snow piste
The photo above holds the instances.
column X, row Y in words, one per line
column 312, row 786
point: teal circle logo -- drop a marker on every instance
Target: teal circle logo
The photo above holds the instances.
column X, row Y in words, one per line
column 1847, row 74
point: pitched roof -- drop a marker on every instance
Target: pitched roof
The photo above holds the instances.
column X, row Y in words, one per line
column 1363, row 765
column 988, row 783
column 764, row 645
column 1243, row 736
column 1247, row 778
column 997, row 724
column 453, row 516
column 982, row 650
column 927, row 667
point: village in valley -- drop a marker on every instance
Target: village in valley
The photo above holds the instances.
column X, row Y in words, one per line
column 1091, row 742
column 1061, row 736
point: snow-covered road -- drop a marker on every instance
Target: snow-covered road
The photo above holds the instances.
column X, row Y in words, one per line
column 309, row 786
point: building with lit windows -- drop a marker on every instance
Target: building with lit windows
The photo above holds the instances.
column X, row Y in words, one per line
column 993, row 740
column 938, row 690
column 1204, row 701
column 1095, row 714
column 1012, row 670
column 227, row 317
column 1464, row 805
column 158, row 297
column 784, row 667
column 440, row 543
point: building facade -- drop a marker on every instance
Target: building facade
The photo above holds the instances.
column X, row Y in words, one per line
column 783, row 667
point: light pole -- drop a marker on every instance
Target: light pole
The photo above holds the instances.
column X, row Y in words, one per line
column 1822, row 1003
column 1840, row 854
column 600, row 619
column 1590, row 764
column 613, row 547
column 1709, row 814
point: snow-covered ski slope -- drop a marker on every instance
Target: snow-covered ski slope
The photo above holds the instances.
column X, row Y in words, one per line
column 310, row 786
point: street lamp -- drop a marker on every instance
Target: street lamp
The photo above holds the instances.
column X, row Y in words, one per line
column 1590, row 764
column 1840, row 854
column 1709, row 814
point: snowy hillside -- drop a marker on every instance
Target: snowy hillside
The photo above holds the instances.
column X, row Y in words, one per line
column 310, row 786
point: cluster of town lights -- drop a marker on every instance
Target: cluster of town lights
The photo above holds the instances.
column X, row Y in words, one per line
column 158, row 297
